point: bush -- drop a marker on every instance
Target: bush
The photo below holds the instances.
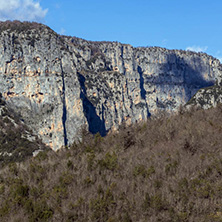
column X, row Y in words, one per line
column 110, row 162
column 155, row 178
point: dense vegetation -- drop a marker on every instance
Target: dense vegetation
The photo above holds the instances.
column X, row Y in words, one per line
column 167, row 169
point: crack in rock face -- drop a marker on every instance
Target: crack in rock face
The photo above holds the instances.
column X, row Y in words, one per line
column 59, row 84
column 64, row 115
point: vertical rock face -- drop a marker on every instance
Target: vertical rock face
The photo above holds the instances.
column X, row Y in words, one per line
column 38, row 79
column 142, row 81
column 58, row 83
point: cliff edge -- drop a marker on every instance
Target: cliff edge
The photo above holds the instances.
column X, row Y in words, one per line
column 58, row 84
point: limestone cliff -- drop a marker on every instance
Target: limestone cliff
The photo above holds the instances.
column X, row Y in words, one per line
column 60, row 83
column 38, row 79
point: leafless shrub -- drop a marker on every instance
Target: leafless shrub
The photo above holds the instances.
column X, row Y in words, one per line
column 167, row 169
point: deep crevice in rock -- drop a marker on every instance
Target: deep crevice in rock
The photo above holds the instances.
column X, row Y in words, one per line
column 64, row 115
column 142, row 89
column 96, row 125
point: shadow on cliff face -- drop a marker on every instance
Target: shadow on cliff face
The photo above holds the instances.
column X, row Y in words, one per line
column 177, row 71
column 193, row 77
column 186, row 72
column 96, row 125
column 142, row 89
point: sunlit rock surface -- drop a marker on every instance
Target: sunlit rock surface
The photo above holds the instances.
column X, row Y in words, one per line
column 59, row 84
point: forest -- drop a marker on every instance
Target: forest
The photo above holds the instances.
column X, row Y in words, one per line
column 166, row 169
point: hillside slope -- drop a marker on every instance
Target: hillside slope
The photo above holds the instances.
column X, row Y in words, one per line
column 17, row 141
column 167, row 169
column 59, row 84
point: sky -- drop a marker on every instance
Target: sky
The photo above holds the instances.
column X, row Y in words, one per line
column 174, row 24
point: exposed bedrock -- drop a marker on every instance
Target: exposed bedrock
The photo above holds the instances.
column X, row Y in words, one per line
column 58, row 84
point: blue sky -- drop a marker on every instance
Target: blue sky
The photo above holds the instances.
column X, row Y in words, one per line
column 173, row 24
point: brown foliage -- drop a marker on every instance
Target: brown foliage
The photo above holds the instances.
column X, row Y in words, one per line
column 167, row 169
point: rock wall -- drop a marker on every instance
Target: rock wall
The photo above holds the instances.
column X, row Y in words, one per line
column 59, row 83
column 38, row 79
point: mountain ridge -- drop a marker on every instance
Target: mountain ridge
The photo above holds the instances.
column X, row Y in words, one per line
column 59, row 84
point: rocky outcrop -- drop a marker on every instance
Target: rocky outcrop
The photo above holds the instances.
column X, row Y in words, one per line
column 17, row 141
column 207, row 97
column 59, row 83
